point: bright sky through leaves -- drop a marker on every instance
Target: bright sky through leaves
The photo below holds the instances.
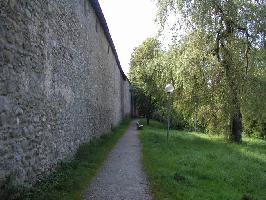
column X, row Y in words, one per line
column 130, row 22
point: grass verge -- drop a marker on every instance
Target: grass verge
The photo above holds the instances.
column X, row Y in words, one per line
column 72, row 178
column 202, row 167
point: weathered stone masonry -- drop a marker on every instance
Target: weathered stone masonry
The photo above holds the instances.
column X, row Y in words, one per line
column 60, row 83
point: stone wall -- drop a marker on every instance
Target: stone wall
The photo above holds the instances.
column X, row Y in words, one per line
column 60, row 84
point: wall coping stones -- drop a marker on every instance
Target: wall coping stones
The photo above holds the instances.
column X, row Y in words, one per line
column 97, row 8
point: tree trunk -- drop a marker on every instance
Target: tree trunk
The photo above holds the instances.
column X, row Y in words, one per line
column 148, row 119
column 237, row 128
column 231, row 74
column 236, row 117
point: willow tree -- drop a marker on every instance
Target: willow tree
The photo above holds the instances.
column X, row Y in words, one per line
column 234, row 29
column 143, row 76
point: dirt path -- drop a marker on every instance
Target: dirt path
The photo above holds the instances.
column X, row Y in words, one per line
column 122, row 176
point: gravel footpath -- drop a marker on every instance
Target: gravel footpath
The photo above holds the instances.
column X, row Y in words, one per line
column 122, row 176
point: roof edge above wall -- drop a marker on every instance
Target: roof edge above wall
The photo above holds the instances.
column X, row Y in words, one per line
column 97, row 8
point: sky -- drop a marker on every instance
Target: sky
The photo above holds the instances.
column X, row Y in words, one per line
column 130, row 22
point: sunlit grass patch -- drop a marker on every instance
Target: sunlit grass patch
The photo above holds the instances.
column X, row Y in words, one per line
column 197, row 166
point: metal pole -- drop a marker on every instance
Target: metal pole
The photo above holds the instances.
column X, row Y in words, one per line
column 168, row 118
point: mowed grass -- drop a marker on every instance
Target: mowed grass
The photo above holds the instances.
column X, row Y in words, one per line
column 200, row 167
column 72, row 178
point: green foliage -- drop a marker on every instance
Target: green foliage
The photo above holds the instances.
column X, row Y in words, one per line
column 143, row 75
column 199, row 166
column 217, row 67
column 71, row 178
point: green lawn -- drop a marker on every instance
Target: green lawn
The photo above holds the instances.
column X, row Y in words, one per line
column 200, row 167
column 72, row 178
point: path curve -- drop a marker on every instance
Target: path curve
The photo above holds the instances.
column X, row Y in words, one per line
column 122, row 176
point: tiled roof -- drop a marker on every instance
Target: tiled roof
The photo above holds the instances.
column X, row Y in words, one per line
column 97, row 8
